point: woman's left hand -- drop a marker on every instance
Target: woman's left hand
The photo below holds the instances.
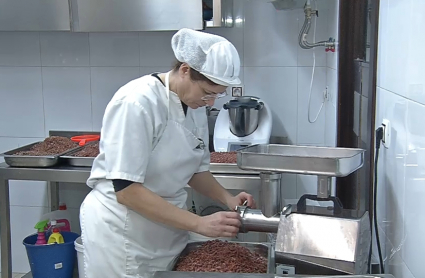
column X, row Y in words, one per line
column 239, row 199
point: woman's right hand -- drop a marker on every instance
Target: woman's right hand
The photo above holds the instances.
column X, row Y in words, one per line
column 219, row 224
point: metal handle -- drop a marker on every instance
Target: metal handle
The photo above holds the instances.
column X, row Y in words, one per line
column 302, row 203
column 243, row 205
column 259, row 106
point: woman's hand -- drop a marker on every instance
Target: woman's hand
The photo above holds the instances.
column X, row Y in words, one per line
column 239, row 199
column 219, row 224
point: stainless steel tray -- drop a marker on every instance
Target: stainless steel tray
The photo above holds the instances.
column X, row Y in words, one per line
column 78, row 161
column 31, row 161
column 264, row 249
column 307, row 160
column 177, row 274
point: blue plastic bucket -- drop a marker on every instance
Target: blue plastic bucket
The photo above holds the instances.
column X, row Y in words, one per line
column 52, row 260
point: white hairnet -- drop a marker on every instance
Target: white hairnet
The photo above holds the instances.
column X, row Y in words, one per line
column 213, row 56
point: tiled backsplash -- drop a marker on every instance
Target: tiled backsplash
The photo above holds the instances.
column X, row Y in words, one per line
column 401, row 170
column 57, row 80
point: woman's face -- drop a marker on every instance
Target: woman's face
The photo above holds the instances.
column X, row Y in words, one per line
column 197, row 94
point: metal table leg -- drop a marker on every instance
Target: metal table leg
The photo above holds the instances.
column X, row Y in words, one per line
column 6, row 246
column 53, row 188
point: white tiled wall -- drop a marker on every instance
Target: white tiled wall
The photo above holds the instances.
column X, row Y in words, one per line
column 401, row 170
column 57, row 80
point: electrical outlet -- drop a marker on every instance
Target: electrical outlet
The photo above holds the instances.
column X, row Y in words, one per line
column 386, row 140
column 236, row 91
column 327, row 94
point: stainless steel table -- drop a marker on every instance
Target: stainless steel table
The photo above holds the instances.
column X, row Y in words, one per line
column 175, row 274
column 229, row 176
column 53, row 176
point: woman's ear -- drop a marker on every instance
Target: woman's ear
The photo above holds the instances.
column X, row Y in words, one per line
column 184, row 69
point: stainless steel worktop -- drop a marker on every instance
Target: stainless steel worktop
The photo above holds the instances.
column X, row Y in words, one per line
column 176, row 274
column 57, row 173
column 230, row 179
column 230, row 176
column 65, row 173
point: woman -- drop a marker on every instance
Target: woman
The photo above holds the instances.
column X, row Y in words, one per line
column 135, row 220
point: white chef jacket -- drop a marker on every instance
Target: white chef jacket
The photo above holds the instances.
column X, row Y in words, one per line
column 133, row 123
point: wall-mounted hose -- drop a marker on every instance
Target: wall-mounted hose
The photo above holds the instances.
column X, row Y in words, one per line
column 302, row 38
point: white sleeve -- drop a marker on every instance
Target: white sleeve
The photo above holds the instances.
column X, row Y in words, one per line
column 127, row 135
column 205, row 163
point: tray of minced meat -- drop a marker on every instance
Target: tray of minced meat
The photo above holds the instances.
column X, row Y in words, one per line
column 40, row 154
column 82, row 157
column 224, row 256
column 226, row 163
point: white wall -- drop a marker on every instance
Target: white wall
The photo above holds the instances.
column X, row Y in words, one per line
column 401, row 171
column 325, row 127
column 63, row 81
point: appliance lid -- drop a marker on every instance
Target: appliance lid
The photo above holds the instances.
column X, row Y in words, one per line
column 244, row 102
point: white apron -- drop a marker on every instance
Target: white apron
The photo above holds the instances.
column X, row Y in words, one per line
column 121, row 243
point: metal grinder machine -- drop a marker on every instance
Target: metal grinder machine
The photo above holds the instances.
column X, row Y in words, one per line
column 330, row 236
